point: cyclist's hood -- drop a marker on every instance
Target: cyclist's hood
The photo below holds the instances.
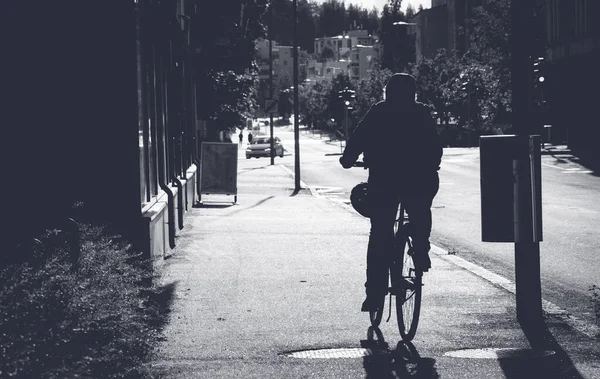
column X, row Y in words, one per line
column 400, row 89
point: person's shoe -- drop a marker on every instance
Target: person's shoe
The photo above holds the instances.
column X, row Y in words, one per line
column 371, row 305
column 422, row 262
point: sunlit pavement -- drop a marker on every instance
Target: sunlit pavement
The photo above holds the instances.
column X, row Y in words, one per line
column 282, row 272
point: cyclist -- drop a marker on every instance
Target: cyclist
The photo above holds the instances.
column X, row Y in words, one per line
column 403, row 151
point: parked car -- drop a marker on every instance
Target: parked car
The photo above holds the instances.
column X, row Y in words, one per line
column 261, row 147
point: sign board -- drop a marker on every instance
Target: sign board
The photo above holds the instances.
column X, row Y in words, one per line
column 218, row 169
column 271, row 106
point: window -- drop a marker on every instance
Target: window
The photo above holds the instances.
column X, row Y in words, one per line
column 579, row 18
column 565, row 19
column 552, row 21
column 591, row 11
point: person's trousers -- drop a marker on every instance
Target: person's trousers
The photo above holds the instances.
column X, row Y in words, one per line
column 384, row 208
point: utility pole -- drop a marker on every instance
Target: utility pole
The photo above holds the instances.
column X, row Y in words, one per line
column 527, row 202
column 296, row 126
column 271, row 79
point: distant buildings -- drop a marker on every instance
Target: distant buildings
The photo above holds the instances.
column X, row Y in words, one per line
column 351, row 53
column 361, row 59
column 342, row 45
column 283, row 68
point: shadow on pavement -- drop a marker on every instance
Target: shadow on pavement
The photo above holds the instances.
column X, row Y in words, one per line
column 562, row 157
column 404, row 362
column 557, row 365
column 590, row 164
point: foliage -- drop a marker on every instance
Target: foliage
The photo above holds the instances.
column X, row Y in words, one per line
column 228, row 79
column 233, row 98
column 101, row 320
column 473, row 89
column 315, row 19
column 320, row 102
column 369, row 90
column 312, row 105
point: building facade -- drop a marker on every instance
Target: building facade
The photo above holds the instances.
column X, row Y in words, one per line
column 361, row 61
column 108, row 120
column 572, row 75
column 342, row 45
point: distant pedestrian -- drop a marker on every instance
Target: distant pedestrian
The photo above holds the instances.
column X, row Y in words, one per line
column 241, row 135
column 250, row 137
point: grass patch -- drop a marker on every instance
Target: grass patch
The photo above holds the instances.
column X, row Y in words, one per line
column 101, row 320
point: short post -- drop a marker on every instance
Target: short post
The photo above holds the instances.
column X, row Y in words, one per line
column 528, row 230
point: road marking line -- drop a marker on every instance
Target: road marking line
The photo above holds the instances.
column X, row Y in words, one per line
column 578, row 172
column 548, row 307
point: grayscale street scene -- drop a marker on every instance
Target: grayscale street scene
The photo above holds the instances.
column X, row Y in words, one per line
column 346, row 189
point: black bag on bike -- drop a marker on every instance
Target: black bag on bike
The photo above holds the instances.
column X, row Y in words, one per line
column 359, row 199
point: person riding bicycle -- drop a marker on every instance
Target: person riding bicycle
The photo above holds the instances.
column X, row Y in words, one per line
column 403, row 151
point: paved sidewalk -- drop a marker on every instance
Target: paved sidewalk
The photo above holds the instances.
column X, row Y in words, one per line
column 281, row 272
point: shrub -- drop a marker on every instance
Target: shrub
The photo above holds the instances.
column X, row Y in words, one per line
column 101, row 320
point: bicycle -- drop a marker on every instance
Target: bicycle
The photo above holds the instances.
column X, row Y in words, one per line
column 404, row 279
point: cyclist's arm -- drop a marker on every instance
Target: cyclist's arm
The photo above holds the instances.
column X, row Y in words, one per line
column 357, row 140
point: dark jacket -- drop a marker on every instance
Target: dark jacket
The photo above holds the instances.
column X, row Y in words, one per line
column 400, row 146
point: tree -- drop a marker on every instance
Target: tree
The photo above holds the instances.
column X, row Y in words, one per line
column 410, row 11
column 397, row 43
column 474, row 88
column 225, row 68
column 369, row 90
column 313, row 105
column 332, row 18
column 489, row 47
column 327, row 53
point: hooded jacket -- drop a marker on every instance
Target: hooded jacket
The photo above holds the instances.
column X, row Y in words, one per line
column 399, row 143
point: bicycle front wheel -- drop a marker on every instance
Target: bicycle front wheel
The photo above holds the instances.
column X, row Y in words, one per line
column 408, row 293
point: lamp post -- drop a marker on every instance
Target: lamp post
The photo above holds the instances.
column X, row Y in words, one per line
column 296, row 126
column 271, row 79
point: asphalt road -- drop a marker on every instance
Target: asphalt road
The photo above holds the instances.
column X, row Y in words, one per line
column 571, row 214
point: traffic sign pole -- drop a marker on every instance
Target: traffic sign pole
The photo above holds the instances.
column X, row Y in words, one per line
column 271, row 78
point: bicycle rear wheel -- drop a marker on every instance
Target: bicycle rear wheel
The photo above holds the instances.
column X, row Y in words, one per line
column 408, row 292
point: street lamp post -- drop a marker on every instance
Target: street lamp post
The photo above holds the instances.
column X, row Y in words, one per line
column 296, row 126
column 271, row 79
